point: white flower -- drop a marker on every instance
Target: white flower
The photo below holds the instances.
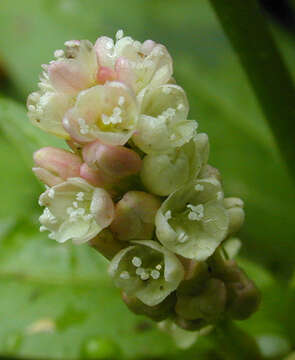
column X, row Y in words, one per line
column 147, row 271
column 75, row 210
column 74, row 70
column 99, row 113
column 197, row 220
column 134, row 63
column 162, row 124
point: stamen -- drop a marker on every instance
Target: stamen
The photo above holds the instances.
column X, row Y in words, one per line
column 136, row 261
column 125, row 275
column 199, row 187
column 155, row 274
column 119, row 34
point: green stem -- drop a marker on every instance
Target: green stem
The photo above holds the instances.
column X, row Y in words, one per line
column 234, row 343
column 245, row 26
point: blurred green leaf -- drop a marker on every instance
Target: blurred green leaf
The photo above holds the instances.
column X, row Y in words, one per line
column 57, row 298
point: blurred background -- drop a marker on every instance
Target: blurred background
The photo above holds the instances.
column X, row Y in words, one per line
column 56, row 301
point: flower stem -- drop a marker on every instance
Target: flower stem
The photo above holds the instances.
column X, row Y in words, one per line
column 244, row 24
column 234, row 343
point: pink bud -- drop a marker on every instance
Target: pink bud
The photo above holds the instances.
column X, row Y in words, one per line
column 68, row 77
column 115, row 161
column 135, row 216
column 94, row 177
column 55, row 165
column 105, row 74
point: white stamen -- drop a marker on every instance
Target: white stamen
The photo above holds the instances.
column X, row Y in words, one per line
column 59, row 53
column 119, row 34
column 84, row 128
column 125, row 275
column 155, row 274
column 31, row 107
column 182, row 237
column 159, row 267
column 80, row 196
column 136, row 261
column 51, row 193
column 199, row 187
column 197, row 212
column 144, row 276
column 168, row 215
column 219, row 195
column 121, row 100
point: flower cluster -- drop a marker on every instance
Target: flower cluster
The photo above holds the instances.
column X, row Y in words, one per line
column 135, row 181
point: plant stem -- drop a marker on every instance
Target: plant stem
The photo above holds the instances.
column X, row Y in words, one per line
column 234, row 343
column 246, row 27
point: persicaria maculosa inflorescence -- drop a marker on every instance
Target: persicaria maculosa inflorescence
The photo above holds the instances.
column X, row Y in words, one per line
column 136, row 184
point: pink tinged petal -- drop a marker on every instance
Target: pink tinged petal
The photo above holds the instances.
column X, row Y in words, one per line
column 105, row 74
column 94, row 115
column 104, row 48
column 68, row 77
column 94, row 177
column 47, row 111
column 46, row 176
column 57, row 163
column 124, row 72
column 148, row 46
column 116, row 161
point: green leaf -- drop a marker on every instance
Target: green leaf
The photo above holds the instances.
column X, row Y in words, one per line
column 57, row 299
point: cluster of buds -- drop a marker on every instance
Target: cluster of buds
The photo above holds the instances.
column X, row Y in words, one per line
column 135, row 181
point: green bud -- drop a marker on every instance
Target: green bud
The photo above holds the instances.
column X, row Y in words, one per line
column 209, row 305
column 162, row 174
column 146, row 270
column 236, row 214
column 192, row 221
column 106, row 244
column 190, row 325
column 244, row 298
column 157, row 313
column 196, row 275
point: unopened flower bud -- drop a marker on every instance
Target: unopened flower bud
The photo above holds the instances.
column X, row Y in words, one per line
column 115, row 161
column 105, row 243
column 208, row 305
column 135, row 216
column 244, row 297
column 209, row 171
column 162, row 174
column 190, row 325
column 95, row 177
column 146, row 270
column 54, row 165
column 158, row 312
column 236, row 214
column 196, row 275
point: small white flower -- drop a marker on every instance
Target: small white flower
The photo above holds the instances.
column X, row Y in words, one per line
column 66, row 218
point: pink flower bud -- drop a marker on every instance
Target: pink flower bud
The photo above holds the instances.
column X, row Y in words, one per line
column 94, row 177
column 135, row 216
column 115, row 161
column 54, row 165
column 67, row 77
